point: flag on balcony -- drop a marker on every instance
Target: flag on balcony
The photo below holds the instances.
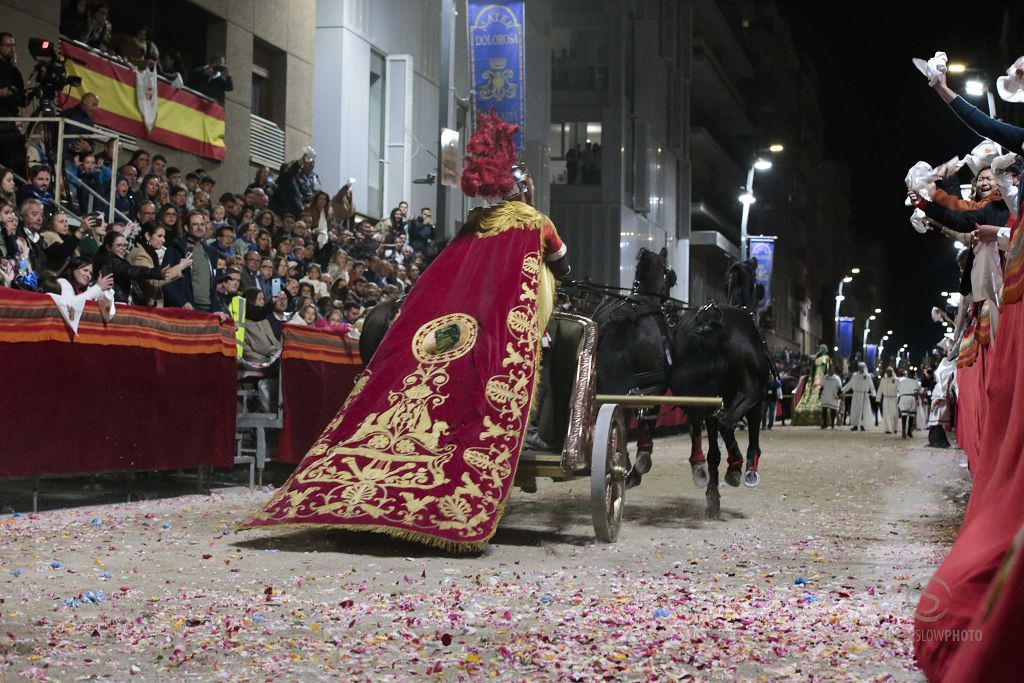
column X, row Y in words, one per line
column 184, row 120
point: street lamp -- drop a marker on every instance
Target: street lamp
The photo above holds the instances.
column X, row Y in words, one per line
column 867, row 328
column 747, row 198
column 847, row 279
column 975, row 87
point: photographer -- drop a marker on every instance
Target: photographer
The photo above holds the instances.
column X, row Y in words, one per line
column 214, row 79
column 12, row 99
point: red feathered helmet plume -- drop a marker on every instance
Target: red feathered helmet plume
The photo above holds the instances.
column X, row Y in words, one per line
column 491, row 156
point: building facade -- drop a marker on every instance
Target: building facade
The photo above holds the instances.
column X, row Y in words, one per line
column 269, row 48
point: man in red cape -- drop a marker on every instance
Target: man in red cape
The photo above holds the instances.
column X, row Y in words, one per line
column 426, row 445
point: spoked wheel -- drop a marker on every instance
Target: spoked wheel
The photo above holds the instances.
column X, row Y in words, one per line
column 609, row 465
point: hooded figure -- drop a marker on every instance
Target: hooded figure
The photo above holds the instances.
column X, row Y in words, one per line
column 863, row 389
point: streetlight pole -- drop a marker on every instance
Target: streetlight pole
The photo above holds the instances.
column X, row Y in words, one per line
column 847, row 279
column 747, row 198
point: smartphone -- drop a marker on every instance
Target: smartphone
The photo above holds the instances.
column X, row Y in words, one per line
column 275, row 286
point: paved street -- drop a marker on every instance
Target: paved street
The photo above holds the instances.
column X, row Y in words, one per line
column 805, row 577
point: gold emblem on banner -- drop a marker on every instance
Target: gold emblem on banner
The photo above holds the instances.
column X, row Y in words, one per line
column 497, row 81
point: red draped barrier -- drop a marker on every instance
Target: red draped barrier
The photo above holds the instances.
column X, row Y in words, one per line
column 318, row 369
column 964, row 600
column 151, row 389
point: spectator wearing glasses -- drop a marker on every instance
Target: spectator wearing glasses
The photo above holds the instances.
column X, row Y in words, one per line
column 198, row 288
column 145, row 212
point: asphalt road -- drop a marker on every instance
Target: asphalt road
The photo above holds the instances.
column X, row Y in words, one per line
column 810, row 576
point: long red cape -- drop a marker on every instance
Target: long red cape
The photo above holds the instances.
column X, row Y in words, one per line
column 426, row 446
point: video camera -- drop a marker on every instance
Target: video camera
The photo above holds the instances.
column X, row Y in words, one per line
column 50, row 74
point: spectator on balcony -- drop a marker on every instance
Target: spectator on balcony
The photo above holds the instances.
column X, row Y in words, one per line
column 245, row 239
column 200, row 201
column 138, row 50
column 8, row 190
column 80, row 113
column 145, row 212
column 38, row 186
column 123, row 199
column 213, row 79
column 149, row 189
column 250, row 275
column 197, row 289
column 148, row 253
column 59, row 242
column 206, row 183
column 112, row 259
column 86, row 171
column 76, row 286
column 224, row 238
column 172, row 67
column 179, row 199
column 158, row 166
column 312, row 278
column 140, row 160
column 74, row 19
column 297, row 184
column 99, row 32
column 12, row 99
column 263, row 181
column 168, row 218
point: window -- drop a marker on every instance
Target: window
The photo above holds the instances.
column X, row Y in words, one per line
column 375, row 171
column 575, row 153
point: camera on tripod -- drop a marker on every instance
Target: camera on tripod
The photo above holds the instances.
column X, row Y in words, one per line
column 50, row 75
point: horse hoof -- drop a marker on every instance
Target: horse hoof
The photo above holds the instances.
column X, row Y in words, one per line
column 700, row 474
column 751, row 478
column 732, row 477
column 633, row 479
column 643, row 461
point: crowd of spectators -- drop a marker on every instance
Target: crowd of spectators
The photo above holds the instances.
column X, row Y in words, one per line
column 276, row 252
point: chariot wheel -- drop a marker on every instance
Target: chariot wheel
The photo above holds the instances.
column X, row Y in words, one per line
column 609, row 465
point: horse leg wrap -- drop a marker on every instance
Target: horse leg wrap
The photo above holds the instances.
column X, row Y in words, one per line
column 735, row 457
column 697, row 451
column 753, row 460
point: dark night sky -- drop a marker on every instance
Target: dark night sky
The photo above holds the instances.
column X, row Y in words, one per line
column 881, row 117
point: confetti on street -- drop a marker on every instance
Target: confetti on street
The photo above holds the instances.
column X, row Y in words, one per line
column 802, row 580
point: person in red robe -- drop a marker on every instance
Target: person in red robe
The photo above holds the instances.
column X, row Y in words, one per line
column 426, row 445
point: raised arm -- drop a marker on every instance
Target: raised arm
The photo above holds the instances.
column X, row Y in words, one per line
column 1010, row 137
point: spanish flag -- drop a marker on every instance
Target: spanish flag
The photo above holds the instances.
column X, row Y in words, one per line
column 184, row 120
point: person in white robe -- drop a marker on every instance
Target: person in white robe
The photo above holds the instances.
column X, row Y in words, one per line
column 828, row 395
column 890, row 394
column 908, row 389
column 863, row 389
column 940, row 414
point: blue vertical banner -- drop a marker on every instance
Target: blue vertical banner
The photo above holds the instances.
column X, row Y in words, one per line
column 497, row 60
column 871, row 356
column 845, row 337
column 762, row 247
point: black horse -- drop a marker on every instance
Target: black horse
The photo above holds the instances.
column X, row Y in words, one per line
column 376, row 325
column 741, row 287
column 718, row 351
column 634, row 346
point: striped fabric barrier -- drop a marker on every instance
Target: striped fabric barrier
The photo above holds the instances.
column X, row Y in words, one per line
column 184, row 120
column 318, row 370
column 151, row 389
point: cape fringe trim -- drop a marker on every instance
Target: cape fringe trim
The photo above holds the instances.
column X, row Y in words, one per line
column 395, row 532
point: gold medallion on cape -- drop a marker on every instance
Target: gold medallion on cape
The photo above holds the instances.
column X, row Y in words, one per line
column 444, row 339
